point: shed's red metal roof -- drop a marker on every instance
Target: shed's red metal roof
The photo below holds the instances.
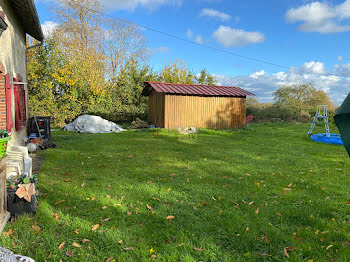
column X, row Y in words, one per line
column 199, row 90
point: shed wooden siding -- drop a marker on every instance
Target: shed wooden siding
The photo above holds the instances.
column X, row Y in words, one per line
column 202, row 111
column 156, row 109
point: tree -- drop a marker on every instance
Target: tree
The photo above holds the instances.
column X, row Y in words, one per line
column 176, row 73
column 204, row 78
column 123, row 44
column 130, row 84
column 252, row 101
column 302, row 97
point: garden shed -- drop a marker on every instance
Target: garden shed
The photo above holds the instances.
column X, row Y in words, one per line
column 183, row 105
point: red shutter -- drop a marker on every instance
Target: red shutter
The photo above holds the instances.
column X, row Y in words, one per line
column 25, row 118
column 18, row 115
column 8, row 103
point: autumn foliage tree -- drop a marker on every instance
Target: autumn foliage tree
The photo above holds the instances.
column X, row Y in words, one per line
column 302, row 97
column 93, row 64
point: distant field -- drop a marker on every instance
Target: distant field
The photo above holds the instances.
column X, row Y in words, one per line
column 258, row 194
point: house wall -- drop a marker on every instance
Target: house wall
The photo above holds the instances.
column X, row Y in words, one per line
column 13, row 59
column 156, row 109
column 203, row 111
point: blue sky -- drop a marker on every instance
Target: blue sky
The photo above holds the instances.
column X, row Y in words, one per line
column 310, row 36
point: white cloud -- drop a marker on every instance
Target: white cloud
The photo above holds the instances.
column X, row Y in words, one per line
column 197, row 38
column 162, row 49
column 257, row 74
column 321, row 17
column 230, row 37
column 189, row 33
column 130, row 4
column 343, row 70
column 48, row 28
column 340, row 58
column 264, row 85
column 133, row 4
column 212, row 13
column 313, row 67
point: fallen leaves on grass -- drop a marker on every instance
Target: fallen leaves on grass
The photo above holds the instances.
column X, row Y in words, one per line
column 82, row 184
column 347, row 203
column 180, row 245
column 251, row 203
column 108, row 196
column 287, row 189
column 129, row 157
column 288, row 249
column 8, row 233
column 95, row 226
column 61, row 245
column 198, row 249
column 128, row 249
column 173, row 174
column 59, row 202
column 220, row 212
column 149, row 207
column 297, row 237
column 105, row 219
column 57, row 216
column 149, row 182
column 75, row 244
column 69, row 254
column 170, row 218
column 110, row 259
column 85, row 240
column 257, row 211
column 266, row 239
column 36, row 228
column 329, row 247
column 76, row 231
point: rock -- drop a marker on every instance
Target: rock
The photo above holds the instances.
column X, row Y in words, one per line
column 8, row 256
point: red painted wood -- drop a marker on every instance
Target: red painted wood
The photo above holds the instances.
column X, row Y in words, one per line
column 199, row 90
column 8, row 102
column 18, row 115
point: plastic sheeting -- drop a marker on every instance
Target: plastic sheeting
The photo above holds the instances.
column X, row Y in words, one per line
column 92, row 124
column 342, row 119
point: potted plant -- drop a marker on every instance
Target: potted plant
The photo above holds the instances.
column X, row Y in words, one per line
column 4, row 138
column 21, row 196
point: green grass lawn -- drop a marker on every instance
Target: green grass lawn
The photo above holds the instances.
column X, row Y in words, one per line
column 242, row 195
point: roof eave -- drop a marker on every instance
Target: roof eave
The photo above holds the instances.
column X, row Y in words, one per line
column 27, row 15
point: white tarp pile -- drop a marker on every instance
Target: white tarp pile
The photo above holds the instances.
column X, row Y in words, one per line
column 92, row 124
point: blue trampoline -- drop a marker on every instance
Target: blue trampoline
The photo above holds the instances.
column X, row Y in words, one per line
column 332, row 139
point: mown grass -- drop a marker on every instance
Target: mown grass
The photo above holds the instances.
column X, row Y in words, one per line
column 241, row 195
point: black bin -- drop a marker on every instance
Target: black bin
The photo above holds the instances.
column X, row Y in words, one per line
column 43, row 124
column 19, row 206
